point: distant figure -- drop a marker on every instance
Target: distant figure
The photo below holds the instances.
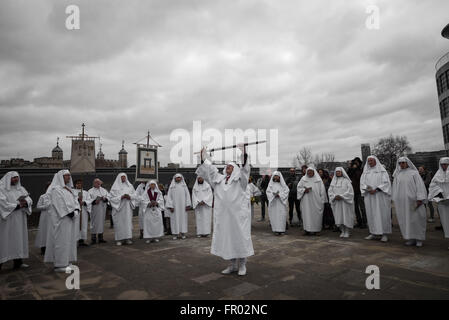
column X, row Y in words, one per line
column 355, row 173
column 15, row 205
column 375, row 186
column 152, row 203
column 43, row 232
column 409, row 194
column 252, row 191
column 312, row 194
column 439, row 193
column 165, row 214
column 62, row 250
column 277, row 194
column 123, row 201
column 178, row 202
column 263, row 198
column 328, row 216
column 341, row 197
column 82, row 220
column 140, row 192
column 98, row 197
column 427, row 178
column 202, row 199
column 292, row 182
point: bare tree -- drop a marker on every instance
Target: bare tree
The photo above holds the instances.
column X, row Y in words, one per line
column 325, row 157
column 304, row 156
column 389, row 149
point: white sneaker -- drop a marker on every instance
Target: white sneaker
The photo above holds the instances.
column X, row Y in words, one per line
column 346, row 235
column 119, row 243
column 62, row 269
column 129, row 242
column 148, row 241
column 175, row 238
column 342, row 234
column 410, row 242
column 183, row 237
column 156, row 240
column 229, row 270
column 370, row 237
column 198, row 236
column 431, row 220
column 24, row 266
column 384, row 238
column 242, row 270
column 418, row 243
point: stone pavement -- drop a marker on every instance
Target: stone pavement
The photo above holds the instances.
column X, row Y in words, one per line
column 289, row 267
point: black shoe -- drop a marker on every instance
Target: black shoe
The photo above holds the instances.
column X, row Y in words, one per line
column 43, row 251
column 439, row 228
column 81, row 243
column 141, row 234
column 100, row 238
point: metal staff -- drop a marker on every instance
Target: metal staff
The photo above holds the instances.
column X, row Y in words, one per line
column 234, row 146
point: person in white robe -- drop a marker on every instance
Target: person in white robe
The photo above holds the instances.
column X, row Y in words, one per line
column 202, row 198
column 312, row 193
column 341, row 197
column 98, row 199
column 152, row 202
column 140, row 191
column 231, row 238
column 439, row 193
column 123, row 201
column 375, row 186
column 178, row 202
column 409, row 196
column 61, row 250
column 277, row 194
column 82, row 220
column 15, row 205
column 252, row 191
column 43, row 231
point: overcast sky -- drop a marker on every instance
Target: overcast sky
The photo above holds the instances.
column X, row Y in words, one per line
column 311, row 69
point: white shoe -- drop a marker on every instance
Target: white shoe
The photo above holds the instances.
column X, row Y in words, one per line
column 183, row 237
column 431, row 220
column 346, row 235
column 410, row 242
column 418, row 243
column 370, row 237
column 342, row 234
column 62, row 269
column 148, row 241
column 175, row 238
column 119, row 243
column 129, row 242
column 384, row 238
column 24, row 266
column 229, row 270
column 156, row 240
column 242, row 270
column 198, row 236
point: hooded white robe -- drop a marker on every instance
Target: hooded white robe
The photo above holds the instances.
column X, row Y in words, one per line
column 45, row 225
column 343, row 209
column 440, row 184
column 178, row 198
column 231, row 237
column 61, row 249
column 153, row 226
column 378, row 205
column 13, row 223
column 82, row 220
column 408, row 187
column 98, row 211
column 122, row 209
column 312, row 203
column 203, row 213
column 277, row 194
column 140, row 192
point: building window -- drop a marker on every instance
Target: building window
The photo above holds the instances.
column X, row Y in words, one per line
column 443, row 81
column 446, row 133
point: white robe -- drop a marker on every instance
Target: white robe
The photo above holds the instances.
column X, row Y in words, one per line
column 343, row 209
column 122, row 211
column 82, row 220
column 231, row 238
column 378, row 205
column 13, row 224
column 278, row 206
column 440, row 184
column 252, row 191
column 312, row 203
column 61, row 250
column 98, row 211
column 140, row 192
column 178, row 198
column 45, row 225
column 153, row 226
column 203, row 213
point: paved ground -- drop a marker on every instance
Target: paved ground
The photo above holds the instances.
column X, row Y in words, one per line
column 289, row 267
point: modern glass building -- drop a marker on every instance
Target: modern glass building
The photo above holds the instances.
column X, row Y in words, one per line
column 442, row 78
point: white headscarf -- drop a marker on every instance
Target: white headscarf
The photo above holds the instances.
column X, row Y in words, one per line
column 377, row 168
column 58, row 180
column 442, row 176
column 148, row 185
column 398, row 167
column 235, row 175
column 200, row 187
column 119, row 185
column 316, row 177
column 272, row 184
column 174, row 183
column 345, row 175
column 5, row 181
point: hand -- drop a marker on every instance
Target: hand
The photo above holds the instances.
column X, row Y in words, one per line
column 202, row 203
column 307, row 190
column 372, row 191
column 338, row 198
column 97, row 201
column 71, row 214
column 172, row 209
column 188, row 207
column 419, row 203
column 440, row 195
column 203, row 154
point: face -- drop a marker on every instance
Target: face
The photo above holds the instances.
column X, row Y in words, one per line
column 304, row 169
column 403, row 165
column 277, row 179
column 123, row 178
column 14, row 181
column 310, row 173
column 321, row 173
column 292, row 171
column 421, row 170
column 339, row 173
column 97, row 183
column 178, row 179
column 229, row 169
column 372, row 162
column 152, row 186
column 444, row 166
column 200, row 180
column 66, row 178
column 79, row 185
